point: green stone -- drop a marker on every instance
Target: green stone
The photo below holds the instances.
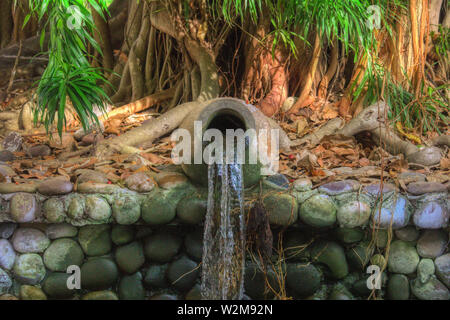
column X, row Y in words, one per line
column 100, row 295
column 398, row 287
column 75, row 209
column 282, row 209
column 349, row 235
column 425, row 269
column 122, row 234
column 130, row 257
column 98, row 274
column 353, row 213
column 194, row 294
column 31, row 293
column 318, row 211
column 97, row 208
column 340, row 292
column 295, row 245
column 193, row 242
column 183, row 273
column 192, row 209
column 162, row 247
column 62, row 253
column 433, row 289
column 302, row 278
column 126, row 209
column 256, row 279
column 359, row 255
column 403, row 257
column 55, row 285
column 95, row 239
column 332, row 255
column 29, row 268
column 53, row 210
column 131, row 288
column 155, row 277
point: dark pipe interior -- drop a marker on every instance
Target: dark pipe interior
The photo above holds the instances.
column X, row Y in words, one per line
column 226, row 121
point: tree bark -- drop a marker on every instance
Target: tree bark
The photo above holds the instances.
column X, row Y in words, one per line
column 6, row 22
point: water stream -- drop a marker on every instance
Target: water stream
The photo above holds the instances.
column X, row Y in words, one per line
column 224, row 234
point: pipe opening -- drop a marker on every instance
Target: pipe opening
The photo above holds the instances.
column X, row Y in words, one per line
column 225, row 121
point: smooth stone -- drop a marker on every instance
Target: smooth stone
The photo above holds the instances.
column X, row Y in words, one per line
column 160, row 206
column 55, row 186
column 163, row 297
column 140, row 182
column 282, row 209
column 53, row 210
column 162, row 247
column 5, row 281
column 131, row 288
column 31, row 293
column 425, row 270
column 76, row 207
column 340, row 292
column 100, row 295
column 349, row 235
column 130, row 257
column 359, row 255
column 6, row 155
column 432, row 243
column 408, row 233
column 260, row 284
column 332, row 255
column 302, row 278
column 92, row 176
column 318, row 211
column 155, row 276
column 98, row 274
column 29, row 268
column 6, row 172
column 398, row 287
column 302, row 185
column 94, row 187
column 192, row 209
column 296, row 246
column 359, row 288
column 41, row 150
column 7, row 229
column 431, row 215
column 426, row 156
column 375, row 189
column 55, row 285
column 418, row 188
column 442, row 266
column 168, row 180
column 304, row 195
column 403, row 257
column 61, row 230
column 12, row 142
column 193, row 242
column 353, row 214
column 411, row 176
column 143, row 231
column 28, row 240
column 381, row 237
column 126, row 209
column 97, row 208
column 379, row 260
column 95, row 239
column 23, row 207
column 194, row 294
column 63, row 253
column 121, row 234
column 8, row 297
column 7, row 254
column 338, row 187
column 395, row 211
column 183, row 273
column 433, row 289
column 277, row 181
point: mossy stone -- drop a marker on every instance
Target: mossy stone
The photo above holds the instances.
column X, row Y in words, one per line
column 75, row 208
column 31, row 293
column 126, row 209
column 155, row 277
column 255, row 282
column 403, row 257
column 318, row 211
column 192, row 209
column 193, row 242
column 97, row 208
column 53, row 210
column 359, row 255
column 100, row 295
column 29, row 268
column 296, row 246
column 398, row 287
column 62, row 253
column 349, row 235
column 95, row 239
column 282, row 209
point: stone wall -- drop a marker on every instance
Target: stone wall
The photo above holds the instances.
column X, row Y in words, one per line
column 143, row 239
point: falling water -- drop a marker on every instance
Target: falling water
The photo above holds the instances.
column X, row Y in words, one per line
column 224, row 235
